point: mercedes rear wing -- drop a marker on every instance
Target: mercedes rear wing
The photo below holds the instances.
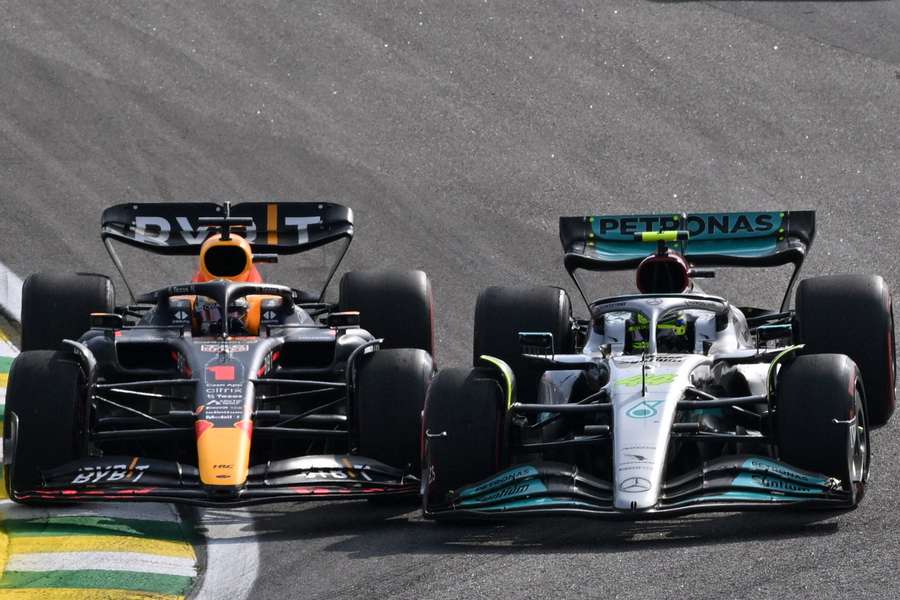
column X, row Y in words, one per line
column 737, row 239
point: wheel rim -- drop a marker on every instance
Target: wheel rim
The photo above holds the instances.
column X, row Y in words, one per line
column 859, row 443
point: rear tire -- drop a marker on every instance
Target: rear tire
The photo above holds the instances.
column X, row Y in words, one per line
column 813, row 392
column 394, row 305
column 853, row 315
column 389, row 399
column 58, row 306
column 46, row 393
column 502, row 312
column 462, row 431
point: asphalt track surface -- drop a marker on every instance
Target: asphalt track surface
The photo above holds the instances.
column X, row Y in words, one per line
column 459, row 131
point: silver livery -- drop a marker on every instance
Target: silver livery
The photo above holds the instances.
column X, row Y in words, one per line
column 671, row 400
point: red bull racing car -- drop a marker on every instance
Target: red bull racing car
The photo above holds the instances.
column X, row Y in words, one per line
column 227, row 389
column 670, row 400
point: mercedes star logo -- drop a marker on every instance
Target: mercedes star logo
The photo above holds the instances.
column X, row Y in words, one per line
column 635, row 485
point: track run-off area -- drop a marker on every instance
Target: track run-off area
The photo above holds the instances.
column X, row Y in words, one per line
column 459, row 132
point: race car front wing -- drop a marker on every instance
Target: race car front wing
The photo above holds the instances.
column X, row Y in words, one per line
column 726, row 484
column 138, row 479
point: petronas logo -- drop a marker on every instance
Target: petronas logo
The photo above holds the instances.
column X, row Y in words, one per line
column 644, row 410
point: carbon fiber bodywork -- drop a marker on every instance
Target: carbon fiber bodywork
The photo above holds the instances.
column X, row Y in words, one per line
column 157, row 392
column 127, row 478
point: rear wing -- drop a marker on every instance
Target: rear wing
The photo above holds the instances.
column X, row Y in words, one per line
column 278, row 227
column 270, row 228
column 738, row 239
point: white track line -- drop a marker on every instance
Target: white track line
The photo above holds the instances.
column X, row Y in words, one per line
column 123, row 510
column 232, row 555
column 10, row 293
column 91, row 561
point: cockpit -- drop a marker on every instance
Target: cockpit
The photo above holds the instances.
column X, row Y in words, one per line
column 658, row 323
column 683, row 333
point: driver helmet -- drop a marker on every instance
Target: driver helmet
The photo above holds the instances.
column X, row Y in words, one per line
column 671, row 334
column 208, row 314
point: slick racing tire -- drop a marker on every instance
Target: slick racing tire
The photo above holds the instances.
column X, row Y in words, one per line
column 462, row 432
column 502, row 312
column 821, row 420
column 388, row 400
column 58, row 306
column 46, row 395
column 394, row 305
column 853, row 315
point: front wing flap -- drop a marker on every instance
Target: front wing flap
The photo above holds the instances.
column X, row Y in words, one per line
column 135, row 478
column 726, row 484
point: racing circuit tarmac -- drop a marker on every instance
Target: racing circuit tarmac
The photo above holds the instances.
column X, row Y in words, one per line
column 459, row 132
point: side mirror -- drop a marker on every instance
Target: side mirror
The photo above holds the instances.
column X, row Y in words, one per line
column 106, row 321
column 539, row 343
column 766, row 333
column 265, row 258
column 343, row 320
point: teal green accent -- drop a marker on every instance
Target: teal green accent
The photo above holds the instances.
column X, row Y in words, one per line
column 521, row 489
column 6, row 363
column 542, row 502
column 508, row 376
column 784, row 471
column 748, row 248
column 499, row 480
column 745, row 235
column 644, row 410
column 774, row 485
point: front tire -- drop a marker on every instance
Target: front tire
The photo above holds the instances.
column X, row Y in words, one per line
column 388, row 402
column 821, row 420
column 46, row 393
column 462, row 432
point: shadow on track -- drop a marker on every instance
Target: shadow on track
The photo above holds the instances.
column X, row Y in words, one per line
column 384, row 531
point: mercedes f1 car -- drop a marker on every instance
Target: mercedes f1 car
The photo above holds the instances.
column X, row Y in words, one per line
column 671, row 400
column 227, row 389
